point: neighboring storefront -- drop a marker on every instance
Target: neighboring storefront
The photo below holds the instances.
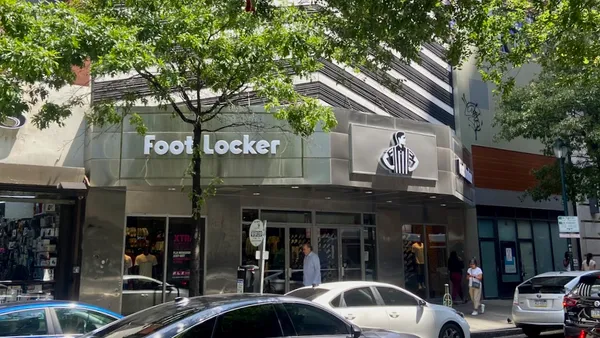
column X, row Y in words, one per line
column 340, row 191
column 42, row 201
column 41, row 211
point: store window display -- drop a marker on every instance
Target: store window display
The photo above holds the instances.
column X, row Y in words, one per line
column 29, row 234
column 145, row 245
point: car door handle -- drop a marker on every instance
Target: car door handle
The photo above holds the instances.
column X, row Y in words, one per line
column 394, row 315
column 349, row 316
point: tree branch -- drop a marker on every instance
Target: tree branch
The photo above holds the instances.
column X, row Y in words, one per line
column 152, row 80
column 231, row 125
column 222, row 99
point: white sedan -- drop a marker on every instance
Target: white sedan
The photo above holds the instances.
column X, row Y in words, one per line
column 385, row 306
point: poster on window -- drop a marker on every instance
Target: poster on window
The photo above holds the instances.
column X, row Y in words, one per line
column 509, row 261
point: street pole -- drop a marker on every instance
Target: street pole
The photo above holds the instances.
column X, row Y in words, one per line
column 566, row 208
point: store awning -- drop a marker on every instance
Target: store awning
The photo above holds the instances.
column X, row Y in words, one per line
column 36, row 175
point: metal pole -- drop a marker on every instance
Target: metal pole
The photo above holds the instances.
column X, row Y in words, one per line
column 262, row 257
column 166, row 253
column 566, row 208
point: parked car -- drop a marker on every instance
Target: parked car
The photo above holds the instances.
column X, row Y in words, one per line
column 237, row 315
column 52, row 319
column 538, row 301
column 141, row 292
column 385, row 306
column 582, row 305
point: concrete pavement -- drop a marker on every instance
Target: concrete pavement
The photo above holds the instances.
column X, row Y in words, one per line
column 494, row 322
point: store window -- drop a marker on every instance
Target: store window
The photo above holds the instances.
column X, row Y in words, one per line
column 370, row 253
column 414, row 258
column 29, row 250
column 155, row 246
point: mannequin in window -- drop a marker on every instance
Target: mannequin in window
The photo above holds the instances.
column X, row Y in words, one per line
column 418, row 251
column 127, row 264
column 146, row 263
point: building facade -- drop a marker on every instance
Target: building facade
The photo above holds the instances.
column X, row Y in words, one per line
column 365, row 217
column 42, row 200
column 516, row 237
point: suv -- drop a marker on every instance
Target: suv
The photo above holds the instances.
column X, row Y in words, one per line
column 538, row 302
column 582, row 305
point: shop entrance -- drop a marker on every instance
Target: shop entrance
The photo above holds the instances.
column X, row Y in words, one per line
column 156, row 260
column 425, row 260
column 346, row 252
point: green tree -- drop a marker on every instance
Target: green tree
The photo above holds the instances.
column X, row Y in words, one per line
column 549, row 109
column 560, row 36
column 185, row 48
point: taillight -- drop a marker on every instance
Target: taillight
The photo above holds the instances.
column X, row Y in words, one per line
column 569, row 302
column 582, row 334
column 516, row 297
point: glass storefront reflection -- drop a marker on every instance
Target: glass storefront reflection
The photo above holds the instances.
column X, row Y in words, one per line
column 437, row 260
column 328, row 255
column 370, row 253
column 414, row 259
column 351, row 268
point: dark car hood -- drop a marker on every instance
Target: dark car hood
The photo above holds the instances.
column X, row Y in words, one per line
column 380, row 333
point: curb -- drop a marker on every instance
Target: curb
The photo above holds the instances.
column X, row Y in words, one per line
column 497, row 333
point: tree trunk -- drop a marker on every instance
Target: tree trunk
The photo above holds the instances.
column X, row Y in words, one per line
column 195, row 263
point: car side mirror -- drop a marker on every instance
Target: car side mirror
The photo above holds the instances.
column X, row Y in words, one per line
column 422, row 303
column 356, row 331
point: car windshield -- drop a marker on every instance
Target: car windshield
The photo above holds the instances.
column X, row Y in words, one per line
column 308, row 294
column 149, row 321
column 546, row 284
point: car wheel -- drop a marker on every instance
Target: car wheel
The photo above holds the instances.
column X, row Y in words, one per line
column 532, row 331
column 450, row 330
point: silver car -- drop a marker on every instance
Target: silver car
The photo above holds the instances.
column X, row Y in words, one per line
column 538, row 302
column 140, row 292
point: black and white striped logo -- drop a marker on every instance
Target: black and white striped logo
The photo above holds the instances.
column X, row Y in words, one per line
column 399, row 159
column 11, row 122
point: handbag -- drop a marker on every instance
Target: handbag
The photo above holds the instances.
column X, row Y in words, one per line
column 475, row 284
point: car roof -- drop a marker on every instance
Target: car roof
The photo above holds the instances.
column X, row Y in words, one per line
column 565, row 273
column 37, row 304
column 345, row 285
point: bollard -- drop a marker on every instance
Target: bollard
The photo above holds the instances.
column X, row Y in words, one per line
column 447, row 296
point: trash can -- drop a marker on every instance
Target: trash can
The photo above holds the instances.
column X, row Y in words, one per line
column 247, row 279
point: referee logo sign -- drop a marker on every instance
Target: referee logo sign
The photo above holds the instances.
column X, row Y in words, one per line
column 398, row 158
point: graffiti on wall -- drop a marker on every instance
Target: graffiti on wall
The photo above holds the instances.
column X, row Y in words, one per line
column 473, row 115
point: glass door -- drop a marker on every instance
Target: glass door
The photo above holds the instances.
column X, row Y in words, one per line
column 328, row 250
column 275, row 280
column 437, row 260
column 490, row 268
column 350, row 244
column 297, row 237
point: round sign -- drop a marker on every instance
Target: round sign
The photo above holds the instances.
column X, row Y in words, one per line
column 257, row 232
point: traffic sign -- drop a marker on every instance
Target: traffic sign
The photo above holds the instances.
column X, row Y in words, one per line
column 568, row 226
column 256, row 232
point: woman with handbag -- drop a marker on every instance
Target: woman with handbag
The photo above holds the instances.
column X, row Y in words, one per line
column 474, row 276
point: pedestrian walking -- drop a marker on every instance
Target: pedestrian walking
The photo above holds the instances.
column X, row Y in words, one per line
column 312, row 267
column 474, row 276
column 588, row 264
column 456, row 267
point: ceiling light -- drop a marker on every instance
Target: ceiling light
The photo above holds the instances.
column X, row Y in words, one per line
column 389, row 201
column 368, row 192
column 433, row 197
column 256, row 194
column 327, row 198
column 443, row 204
column 172, row 189
column 294, row 187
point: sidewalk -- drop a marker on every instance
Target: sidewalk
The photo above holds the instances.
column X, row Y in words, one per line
column 494, row 320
